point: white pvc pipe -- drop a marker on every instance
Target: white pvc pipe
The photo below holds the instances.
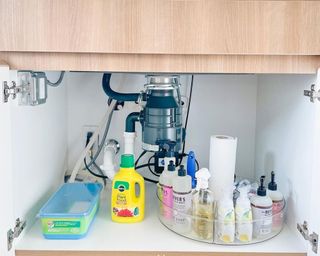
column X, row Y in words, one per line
column 93, row 139
column 129, row 139
column 109, row 166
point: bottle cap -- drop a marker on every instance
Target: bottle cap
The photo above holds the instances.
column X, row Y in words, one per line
column 182, row 171
column 202, row 176
column 127, row 161
column 272, row 184
column 171, row 166
column 261, row 191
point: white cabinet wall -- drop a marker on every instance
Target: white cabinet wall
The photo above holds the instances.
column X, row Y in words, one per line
column 277, row 129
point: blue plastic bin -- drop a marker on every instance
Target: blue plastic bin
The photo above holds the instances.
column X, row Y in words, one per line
column 68, row 214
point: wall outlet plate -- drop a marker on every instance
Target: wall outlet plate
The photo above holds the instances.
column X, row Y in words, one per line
column 85, row 130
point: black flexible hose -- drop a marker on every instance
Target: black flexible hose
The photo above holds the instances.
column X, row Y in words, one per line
column 117, row 95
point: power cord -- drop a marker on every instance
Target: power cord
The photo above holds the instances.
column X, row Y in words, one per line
column 56, row 84
column 187, row 118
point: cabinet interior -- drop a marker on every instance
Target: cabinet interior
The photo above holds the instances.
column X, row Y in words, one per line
column 268, row 113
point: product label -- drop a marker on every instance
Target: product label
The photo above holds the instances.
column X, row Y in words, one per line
column 226, row 225
column 277, row 219
column 62, row 226
column 167, row 201
column 244, row 224
column 262, row 220
column 182, row 206
column 120, row 208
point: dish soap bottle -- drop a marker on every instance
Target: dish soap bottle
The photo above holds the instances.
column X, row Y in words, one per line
column 182, row 187
column 261, row 205
column 165, row 191
column 126, row 205
column 277, row 203
column 243, row 216
column 225, row 218
column 202, row 206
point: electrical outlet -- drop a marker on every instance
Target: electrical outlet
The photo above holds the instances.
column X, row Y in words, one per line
column 85, row 130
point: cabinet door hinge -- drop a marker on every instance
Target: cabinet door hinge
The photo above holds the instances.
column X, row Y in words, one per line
column 313, row 94
column 312, row 238
column 15, row 232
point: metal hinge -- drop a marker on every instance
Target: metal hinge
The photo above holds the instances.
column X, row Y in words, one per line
column 9, row 90
column 312, row 238
column 12, row 234
column 312, row 94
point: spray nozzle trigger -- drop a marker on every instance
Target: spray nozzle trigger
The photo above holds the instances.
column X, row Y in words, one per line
column 203, row 175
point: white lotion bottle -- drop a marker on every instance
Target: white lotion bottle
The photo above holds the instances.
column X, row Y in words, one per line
column 277, row 203
column 225, row 218
column 165, row 192
column 243, row 213
column 182, row 197
column 261, row 205
column 202, row 206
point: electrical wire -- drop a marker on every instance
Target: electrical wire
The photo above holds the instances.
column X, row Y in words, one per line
column 187, row 118
column 141, row 155
column 103, row 140
column 58, row 82
column 149, row 167
column 92, row 172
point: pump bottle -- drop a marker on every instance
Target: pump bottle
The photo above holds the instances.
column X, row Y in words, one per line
column 261, row 205
column 202, row 206
column 243, row 216
column 182, row 201
column 225, row 218
column 165, row 191
column 277, row 203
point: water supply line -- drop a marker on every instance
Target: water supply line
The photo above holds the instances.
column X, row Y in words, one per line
column 93, row 139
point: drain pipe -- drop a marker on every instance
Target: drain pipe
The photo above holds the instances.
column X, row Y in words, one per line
column 130, row 132
column 117, row 95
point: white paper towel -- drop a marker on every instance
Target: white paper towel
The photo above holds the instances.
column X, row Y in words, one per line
column 223, row 150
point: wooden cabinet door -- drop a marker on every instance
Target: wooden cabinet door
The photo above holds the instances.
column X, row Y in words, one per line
column 161, row 26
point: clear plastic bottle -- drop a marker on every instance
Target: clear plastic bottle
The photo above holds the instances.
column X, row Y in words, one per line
column 243, row 216
column 202, row 207
column 182, row 189
column 225, row 218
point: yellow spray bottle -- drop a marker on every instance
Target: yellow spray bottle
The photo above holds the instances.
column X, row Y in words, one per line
column 128, row 193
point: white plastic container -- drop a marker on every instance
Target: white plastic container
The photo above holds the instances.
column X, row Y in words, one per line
column 225, row 218
column 244, row 225
column 261, row 205
column 182, row 189
column 277, row 203
column 166, row 191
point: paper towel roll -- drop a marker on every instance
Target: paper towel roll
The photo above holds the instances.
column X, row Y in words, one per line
column 223, row 150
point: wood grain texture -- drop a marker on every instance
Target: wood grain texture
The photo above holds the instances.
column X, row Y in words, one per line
column 98, row 253
column 161, row 26
column 162, row 63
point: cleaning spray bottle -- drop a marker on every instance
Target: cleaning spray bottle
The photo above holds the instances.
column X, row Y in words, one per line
column 182, row 201
column 243, row 216
column 165, row 191
column 202, row 206
column 225, row 218
column 261, row 205
column 191, row 167
column 277, row 203
column 126, row 205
